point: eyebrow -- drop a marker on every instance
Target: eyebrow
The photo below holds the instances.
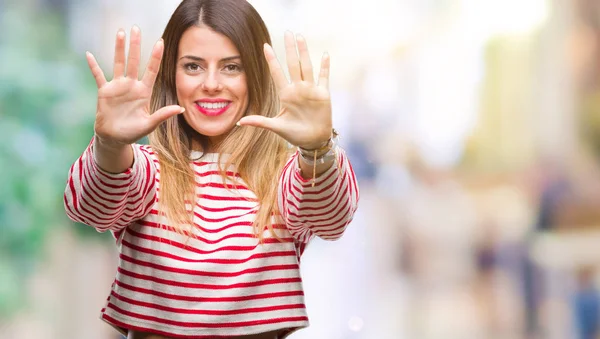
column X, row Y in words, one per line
column 195, row 58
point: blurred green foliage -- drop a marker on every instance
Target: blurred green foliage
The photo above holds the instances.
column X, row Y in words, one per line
column 47, row 101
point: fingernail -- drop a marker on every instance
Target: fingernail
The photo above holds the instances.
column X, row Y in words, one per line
column 135, row 28
column 182, row 110
column 238, row 124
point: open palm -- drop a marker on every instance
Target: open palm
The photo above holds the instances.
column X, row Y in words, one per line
column 305, row 117
column 123, row 112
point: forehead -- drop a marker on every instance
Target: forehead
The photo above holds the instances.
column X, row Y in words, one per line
column 205, row 43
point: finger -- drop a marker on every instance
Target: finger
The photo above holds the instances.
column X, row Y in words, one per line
column 275, row 68
column 305, row 63
column 96, row 70
column 291, row 57
column 154, row 64
column 261, row 122
column 324, row 73
column 133, row 61
column 119, row 67
column 165, row 113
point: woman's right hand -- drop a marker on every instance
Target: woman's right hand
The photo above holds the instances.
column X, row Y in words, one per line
column 123, row 113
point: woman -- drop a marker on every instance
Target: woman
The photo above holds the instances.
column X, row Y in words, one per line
column 212, row 217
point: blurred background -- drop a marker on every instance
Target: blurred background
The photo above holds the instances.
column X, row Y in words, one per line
column 473, row 127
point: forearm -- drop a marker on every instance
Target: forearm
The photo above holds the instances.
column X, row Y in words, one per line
column 106, row 200
column 112, row 158
column 323, row 209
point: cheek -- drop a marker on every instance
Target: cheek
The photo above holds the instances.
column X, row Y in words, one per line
column 184, row 85
column 241, row 89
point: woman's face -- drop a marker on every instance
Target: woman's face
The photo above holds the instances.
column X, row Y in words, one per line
column 211, row 82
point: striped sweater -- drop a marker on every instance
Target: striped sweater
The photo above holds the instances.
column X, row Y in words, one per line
column 221, row 282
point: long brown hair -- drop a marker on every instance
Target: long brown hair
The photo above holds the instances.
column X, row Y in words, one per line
column 258, row 154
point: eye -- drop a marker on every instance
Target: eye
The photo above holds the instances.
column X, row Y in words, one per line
column 192, row 67
column 233, row 68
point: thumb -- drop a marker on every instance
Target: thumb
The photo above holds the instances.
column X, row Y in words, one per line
column 165, row 113
column 261, row 122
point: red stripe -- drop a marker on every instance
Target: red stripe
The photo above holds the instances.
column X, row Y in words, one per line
column 204, row 163
column 210, row 299
column 203, row 229
column 335, row 193
column 304, row 200
column 117, row 234
column 307, row 183
column 206, row 273
column 207, row 173
column 104, row 183
column 303, row 219
column 91, row 166
column 122, row 176
column 111, row 213
column 326, row 212
column 178, row 244
column 112, row 176
column 319, row 207
column 150, row 186
column 201, row 217
column 182, row 324
column 132, row 206
column 101, row 186
column 90, row 194
column 223, row 209
column 214, row 261
column 340, row 222
column 354, row 182
column 89, row 173
column 207, row 312
column 149, row 152
column 208, row 286
column 223, row 186
column 221, row 198
column 332, row 236
column 71, row 189
column 329, row 228
column 97, row 220
column 312, row 191
column 281, row 188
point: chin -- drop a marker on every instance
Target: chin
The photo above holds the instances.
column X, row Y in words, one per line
column 211, row 128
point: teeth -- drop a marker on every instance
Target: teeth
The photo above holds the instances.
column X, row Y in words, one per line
column 215, row 105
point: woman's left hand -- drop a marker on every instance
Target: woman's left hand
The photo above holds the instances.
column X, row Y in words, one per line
column 305, row 116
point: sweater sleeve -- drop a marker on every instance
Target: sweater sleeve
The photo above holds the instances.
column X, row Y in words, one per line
column 323, row 210
column 107, row 201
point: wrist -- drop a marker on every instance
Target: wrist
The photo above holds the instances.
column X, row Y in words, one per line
column 109, row 145
column 314, row 146
column 321, row 145
column 319, row 158
column 319, row 148
column 323, row 155
column 112, row 158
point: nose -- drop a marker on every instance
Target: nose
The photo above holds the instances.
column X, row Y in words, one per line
column 212, row 83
